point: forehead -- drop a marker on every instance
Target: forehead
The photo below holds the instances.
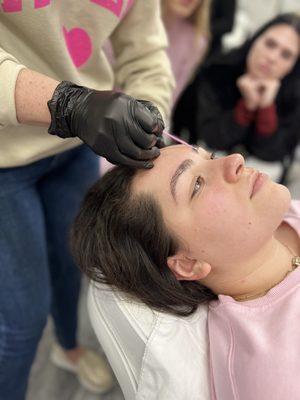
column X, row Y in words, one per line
column 283, row 34
column 156, row 179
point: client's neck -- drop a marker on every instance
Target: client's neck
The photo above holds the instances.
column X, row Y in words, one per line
column 254, row 277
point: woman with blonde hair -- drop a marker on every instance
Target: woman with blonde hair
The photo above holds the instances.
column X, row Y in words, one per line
column 187, row 26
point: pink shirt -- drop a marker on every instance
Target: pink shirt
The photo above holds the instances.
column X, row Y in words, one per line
column 255, row 345
column 185, row 52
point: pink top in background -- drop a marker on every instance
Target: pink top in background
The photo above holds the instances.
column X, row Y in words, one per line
column 185, row 52
column 255, row 345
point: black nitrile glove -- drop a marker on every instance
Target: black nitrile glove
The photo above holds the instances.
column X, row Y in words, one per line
column 114, row 125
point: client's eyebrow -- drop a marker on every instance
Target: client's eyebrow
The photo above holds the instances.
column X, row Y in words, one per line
column 186, row 164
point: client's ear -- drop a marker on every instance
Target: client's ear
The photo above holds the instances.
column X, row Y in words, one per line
column 188, row 269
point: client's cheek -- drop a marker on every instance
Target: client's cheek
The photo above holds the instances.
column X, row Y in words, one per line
column 217, row 204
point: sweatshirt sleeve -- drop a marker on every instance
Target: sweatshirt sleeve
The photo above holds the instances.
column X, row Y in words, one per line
column 242, row 115
column 9, row 70
column 267, row 120
column 142, row 68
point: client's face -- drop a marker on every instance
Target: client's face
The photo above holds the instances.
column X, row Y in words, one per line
column 219, row 209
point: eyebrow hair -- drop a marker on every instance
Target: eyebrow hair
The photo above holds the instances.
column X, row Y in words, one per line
column 277, row 42
column 186, row 164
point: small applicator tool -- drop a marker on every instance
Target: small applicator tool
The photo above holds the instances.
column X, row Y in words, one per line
column 177, row 139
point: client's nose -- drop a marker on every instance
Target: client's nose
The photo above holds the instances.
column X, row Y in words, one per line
column 233, row 167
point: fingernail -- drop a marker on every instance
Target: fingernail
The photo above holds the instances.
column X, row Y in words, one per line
column 156, row 151
column 157, row 129
column 149, row 165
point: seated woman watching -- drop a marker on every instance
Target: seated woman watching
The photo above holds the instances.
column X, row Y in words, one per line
column 198, row 229
column 250, row 97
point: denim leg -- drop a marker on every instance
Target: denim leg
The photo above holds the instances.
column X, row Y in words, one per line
column 24, row 281
column 62, row 190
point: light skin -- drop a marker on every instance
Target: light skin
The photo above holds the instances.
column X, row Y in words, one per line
column 271, row 57
column 181, row 8
column 32, row 92
column 231, row 239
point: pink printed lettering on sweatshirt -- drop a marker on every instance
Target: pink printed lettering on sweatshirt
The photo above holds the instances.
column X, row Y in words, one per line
column 41, row 3
column 78, row 41
column 114, row 6
column 79, row 45
column 12, row 6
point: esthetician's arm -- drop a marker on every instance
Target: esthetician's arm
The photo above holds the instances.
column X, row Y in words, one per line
column 33, row 91
column 114, row 125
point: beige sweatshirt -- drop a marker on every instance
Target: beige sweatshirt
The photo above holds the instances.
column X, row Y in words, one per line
column 63, row 39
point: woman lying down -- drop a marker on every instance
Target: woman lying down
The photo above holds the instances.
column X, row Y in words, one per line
column 198, row 229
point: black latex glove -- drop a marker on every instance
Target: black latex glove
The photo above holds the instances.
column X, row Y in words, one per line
column 116, row 126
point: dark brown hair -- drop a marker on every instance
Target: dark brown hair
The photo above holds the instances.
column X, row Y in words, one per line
column 120, row 239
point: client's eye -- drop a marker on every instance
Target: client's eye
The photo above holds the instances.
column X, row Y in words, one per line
column 200, row 181
column 198, row 185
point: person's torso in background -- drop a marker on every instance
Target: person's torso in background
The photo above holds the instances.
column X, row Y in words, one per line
column 185, row 51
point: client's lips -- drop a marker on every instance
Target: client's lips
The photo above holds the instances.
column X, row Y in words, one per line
column 257, row 181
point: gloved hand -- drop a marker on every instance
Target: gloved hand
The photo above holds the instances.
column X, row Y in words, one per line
column 116, row 126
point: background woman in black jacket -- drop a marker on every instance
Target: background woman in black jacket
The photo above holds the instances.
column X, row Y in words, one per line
column 249, row 97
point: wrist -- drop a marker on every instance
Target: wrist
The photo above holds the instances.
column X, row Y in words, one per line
column 32, row 91
column 265, row 104
column 250, row 105
column 61, row 106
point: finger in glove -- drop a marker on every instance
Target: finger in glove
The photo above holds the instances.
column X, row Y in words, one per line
column 157, row 124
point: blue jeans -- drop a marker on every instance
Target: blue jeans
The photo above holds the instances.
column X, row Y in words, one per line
column 38, row 203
